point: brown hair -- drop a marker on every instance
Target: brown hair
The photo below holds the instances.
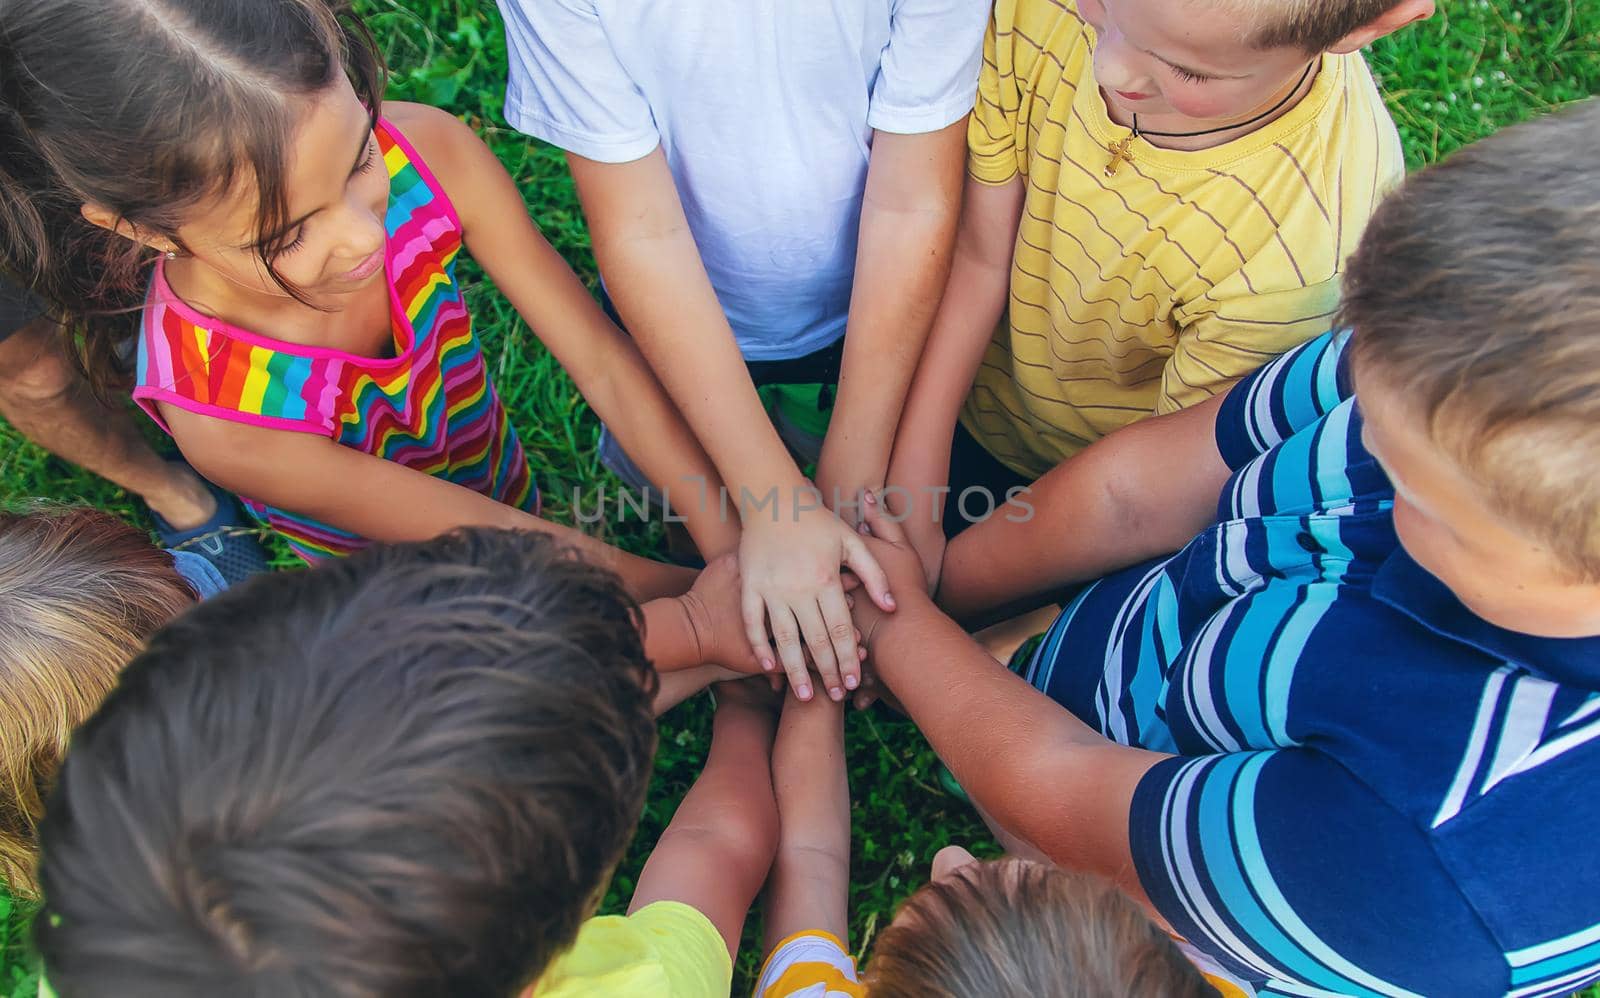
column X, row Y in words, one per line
column 80, row 591
column 1015, row 929
column 148, row 108
column 1310, row 25
column 1475, row 296
column 402, row 774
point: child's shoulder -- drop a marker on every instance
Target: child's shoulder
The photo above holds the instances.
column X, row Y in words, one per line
column 448, row 146
column 432, row 132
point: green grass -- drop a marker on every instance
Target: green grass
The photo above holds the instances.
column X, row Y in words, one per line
column 1479, row 65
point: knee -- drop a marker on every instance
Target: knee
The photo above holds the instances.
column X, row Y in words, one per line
column 746, row 837
column 34, row 370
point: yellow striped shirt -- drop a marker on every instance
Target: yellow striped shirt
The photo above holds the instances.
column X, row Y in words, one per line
column 1160, row 286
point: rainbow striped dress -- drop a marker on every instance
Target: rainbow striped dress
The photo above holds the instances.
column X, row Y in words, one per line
column 429, row 407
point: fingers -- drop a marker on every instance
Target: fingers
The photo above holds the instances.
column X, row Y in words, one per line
column 842, row 632
column 876, row 581
column 819, row 642
column 754, row 611
column 882, row 524
column 786, row 632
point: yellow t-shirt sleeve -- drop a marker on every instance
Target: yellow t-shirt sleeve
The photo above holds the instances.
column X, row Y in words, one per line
column 692, row 950
column 665, row 950
column 1241, row 334
column 991, row 132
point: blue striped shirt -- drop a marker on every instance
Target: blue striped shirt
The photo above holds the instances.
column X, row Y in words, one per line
column 1376, row 792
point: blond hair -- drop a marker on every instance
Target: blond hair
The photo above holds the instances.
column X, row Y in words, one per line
column 80, row 591
column 1310, row 25
column 1475, row 298
column 1014, row 929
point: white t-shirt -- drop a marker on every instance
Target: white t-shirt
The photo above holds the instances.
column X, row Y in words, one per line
column 765, row 110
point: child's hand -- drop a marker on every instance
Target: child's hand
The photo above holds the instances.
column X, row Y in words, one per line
column 712, row 604
column 791, row 578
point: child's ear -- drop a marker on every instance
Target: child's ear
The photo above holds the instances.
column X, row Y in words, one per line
column 1401, row 14
column 109, row 220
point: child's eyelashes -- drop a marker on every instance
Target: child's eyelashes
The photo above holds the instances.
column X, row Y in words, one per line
column 296, row 243
column 372, row 158
column 1188, row 77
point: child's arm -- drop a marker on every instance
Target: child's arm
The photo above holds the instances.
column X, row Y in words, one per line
column 1047, row 778
column 1143, row 491
column 715, row 854
column 374, row 498
column 908, row 228
column 791, row 549
column 974, row 300
column 809, row 888
column 1140, row 493
column 605, row 364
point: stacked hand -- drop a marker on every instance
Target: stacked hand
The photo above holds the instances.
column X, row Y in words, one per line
column 792, row 583
column 713, row 607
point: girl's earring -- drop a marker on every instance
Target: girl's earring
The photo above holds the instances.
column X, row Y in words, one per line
column 172, row 254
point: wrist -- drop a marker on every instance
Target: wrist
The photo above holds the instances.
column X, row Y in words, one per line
column 670, row 641
column 912, row 607
column 694, row 621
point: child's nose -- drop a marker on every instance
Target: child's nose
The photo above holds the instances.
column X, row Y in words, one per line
column 364, row 230
column 1114, row 67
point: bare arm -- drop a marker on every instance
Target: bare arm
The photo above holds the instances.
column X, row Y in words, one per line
column 908, row 227
column 602, row 360
column 374, row 498
column 973, row 303
column 658, row 284
column 810, row 884
column 715, row 854
column 1143, row 491
column 790, row 556
column 1046, row 777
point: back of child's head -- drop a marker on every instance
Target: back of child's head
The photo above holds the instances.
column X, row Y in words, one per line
column 148, row 108
column 1015, row 929
column 80, row 591
column 408, row 773
column 1475, row 299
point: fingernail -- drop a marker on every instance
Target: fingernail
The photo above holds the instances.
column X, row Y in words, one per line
column 851, row 682
column 767, row 665
column 888, row 600
column 861, row 653
column 803, row 692
column 836, row 694
column 872, row 498
column 862, row 528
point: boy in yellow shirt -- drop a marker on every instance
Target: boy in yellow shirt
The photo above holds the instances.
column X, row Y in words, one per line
column 1160, row 198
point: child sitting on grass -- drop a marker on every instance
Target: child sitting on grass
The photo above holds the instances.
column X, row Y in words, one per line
column 80, row 591
column 407, row 773
column 1344, row 740
column 1006, row 929
column 1161, row 197
column 217, row 185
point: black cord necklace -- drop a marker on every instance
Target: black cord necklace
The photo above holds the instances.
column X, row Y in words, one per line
column 1122, row 152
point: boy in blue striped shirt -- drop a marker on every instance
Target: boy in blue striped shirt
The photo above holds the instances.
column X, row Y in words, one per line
column 1345, row 741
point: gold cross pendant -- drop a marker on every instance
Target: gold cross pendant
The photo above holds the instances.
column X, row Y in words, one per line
column 1121, row 152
